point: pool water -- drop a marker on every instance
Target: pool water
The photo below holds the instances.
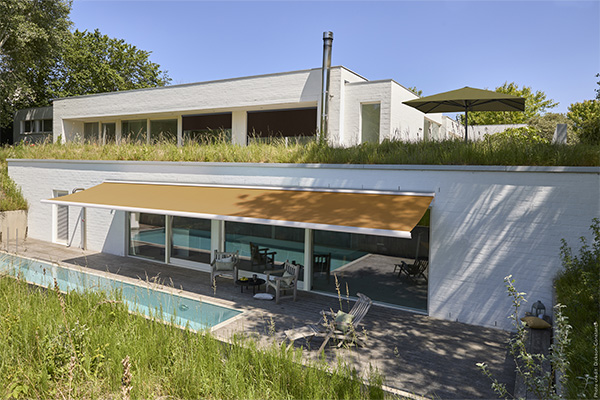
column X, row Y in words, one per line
column 182, row 311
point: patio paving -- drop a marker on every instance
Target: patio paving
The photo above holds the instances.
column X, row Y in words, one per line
column 417, row 354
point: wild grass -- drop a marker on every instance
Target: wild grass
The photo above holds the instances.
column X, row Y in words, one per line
column 578, row 288
column 454, row 152
column 87, row 345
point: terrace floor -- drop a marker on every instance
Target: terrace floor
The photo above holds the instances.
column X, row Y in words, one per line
column 416, row 354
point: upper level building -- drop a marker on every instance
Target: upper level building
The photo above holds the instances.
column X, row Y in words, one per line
column 243, row 110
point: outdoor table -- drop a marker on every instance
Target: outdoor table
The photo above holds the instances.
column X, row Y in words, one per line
column 250, row 282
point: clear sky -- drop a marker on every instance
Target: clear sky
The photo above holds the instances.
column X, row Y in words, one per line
column 553, row 46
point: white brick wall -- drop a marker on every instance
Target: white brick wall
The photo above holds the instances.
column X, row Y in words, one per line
column 486, row 222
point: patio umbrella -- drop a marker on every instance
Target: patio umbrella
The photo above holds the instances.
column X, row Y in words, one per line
column 468, row 99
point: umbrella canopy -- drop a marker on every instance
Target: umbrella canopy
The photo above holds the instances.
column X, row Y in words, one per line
column 468, row 99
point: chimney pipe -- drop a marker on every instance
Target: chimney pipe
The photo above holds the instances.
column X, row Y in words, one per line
column 327, row 42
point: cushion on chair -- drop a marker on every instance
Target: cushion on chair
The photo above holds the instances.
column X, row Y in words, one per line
column 224, row 265
column 343, row 321
column 535, row 322
column 287, row 278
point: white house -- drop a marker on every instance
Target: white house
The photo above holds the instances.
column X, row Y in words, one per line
column 473, row 225
column 284, row 104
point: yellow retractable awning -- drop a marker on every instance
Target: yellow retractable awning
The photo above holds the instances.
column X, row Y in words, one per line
column 370, row 212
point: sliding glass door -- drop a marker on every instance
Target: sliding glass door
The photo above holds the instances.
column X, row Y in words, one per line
column 190, row 240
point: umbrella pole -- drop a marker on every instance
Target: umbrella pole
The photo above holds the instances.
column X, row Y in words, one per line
column 466, row 125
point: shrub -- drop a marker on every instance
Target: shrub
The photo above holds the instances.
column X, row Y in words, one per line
column 578, row 287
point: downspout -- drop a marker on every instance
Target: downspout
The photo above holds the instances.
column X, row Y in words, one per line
column 325, row 72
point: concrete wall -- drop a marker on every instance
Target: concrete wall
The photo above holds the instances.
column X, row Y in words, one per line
column 285, row 90
column 36, row 115
column 486, row 222
column 13, row 227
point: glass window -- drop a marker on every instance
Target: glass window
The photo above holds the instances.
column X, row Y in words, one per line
column 207, row 128
column 370, row 118
column 90, row 132
column 366, row 264
column 27, row 125
column 163, row 131
column 147, row 236
column 134, row 131
column 108, row 133
column 47, row 125
column 288, row 243
column 190, row 239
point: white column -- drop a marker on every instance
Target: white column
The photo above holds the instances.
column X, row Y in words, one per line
column 217, row 236
column 148, row 131
column 118, row 130
column 179, row 131
column 308, row 258
column 239, row 127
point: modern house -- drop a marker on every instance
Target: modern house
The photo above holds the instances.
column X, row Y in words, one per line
column 473, row 225
column 243, row 109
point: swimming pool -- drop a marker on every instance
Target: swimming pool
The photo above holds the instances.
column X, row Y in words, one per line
column 169, row 307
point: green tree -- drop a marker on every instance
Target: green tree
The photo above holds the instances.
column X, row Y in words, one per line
column 536, row 103
column 598, row 89
column 586, row 120
column 416, row 91
column 94, row 63
column 31, row 37
column 545, row 125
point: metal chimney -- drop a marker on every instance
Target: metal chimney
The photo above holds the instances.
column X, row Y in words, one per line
column 327, row 42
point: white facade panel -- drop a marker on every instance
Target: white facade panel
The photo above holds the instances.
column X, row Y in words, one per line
column 486, row 222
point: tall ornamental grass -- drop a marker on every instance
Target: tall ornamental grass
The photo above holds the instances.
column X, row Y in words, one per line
column 87, row 345
column 578, row 288
column 497, row 151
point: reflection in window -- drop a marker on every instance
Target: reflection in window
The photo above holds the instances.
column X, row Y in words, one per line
column 147, row 236
column 163, row 131
column 134, row 131
column 287, row 242
column 90, row 132
column 366, row 264
column 47, row 125
column 370, row 116
column 108, row 133
column 190, row 239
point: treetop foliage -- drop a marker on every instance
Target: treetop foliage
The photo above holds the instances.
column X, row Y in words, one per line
column 110, row 65
column 536, row 103
column 41, row 59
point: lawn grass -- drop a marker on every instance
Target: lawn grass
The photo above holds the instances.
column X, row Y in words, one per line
column 54, row 345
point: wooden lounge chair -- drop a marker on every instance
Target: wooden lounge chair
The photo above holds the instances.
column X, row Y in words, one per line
column 224, row 263
column 414, row 270
column 331, row 326
column 261, row 257
column 288, row 281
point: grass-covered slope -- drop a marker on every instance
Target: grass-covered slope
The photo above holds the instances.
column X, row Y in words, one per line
column 487, row 152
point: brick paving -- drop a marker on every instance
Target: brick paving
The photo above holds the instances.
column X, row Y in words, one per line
column 417, row 354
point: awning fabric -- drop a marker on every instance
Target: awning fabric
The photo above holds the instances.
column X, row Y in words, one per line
column 369, row 212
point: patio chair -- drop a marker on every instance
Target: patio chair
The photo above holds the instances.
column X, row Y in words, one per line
column 339, row 326
column 414, row 270
column 288, row 281
column 322, row 265
column 261, row 257
column 224, row 263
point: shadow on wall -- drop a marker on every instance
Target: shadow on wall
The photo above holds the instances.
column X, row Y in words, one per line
column 490, row 230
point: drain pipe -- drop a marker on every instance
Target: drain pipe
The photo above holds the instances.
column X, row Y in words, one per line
column 327, row 43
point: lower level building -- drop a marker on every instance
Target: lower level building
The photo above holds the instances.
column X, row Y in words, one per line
column 469, row 225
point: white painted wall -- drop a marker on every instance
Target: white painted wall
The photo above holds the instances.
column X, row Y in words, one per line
column 486, row 222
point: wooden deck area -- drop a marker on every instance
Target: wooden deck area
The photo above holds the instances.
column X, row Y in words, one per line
column 416, row 354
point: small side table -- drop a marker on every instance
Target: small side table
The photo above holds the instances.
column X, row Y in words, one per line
column 250, row 282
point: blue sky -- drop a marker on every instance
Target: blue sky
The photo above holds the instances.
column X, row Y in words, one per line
column 553, row 46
